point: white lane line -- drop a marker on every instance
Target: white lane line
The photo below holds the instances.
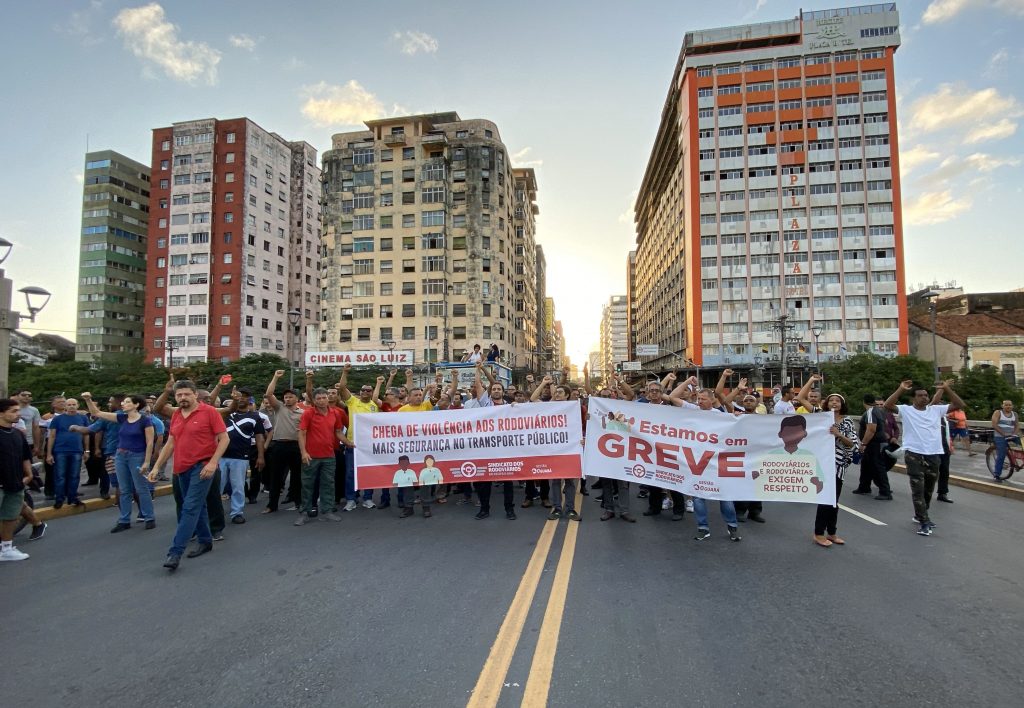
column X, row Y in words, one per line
column 870, row 519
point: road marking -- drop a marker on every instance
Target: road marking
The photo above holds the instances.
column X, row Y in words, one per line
column 538, row 682
column 492, row 676
column 873, row 520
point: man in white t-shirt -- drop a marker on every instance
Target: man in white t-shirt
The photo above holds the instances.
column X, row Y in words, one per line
column 784, row 406
column 922, row 443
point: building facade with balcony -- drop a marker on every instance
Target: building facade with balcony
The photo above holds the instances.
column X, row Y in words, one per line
column 234, row 242
column 429, row 241
column 112, row 261
column 773, row 188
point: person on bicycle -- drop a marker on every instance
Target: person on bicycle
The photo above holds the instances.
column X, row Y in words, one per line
column 1005, row 429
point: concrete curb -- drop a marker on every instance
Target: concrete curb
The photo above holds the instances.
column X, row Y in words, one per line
column 996, row 490
column 47, row 513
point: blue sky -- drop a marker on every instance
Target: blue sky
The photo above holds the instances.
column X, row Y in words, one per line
column 576, row 89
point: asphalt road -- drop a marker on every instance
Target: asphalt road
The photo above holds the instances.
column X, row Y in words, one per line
column 380, row 611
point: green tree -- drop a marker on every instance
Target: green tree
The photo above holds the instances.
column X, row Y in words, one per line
column 984, row 389
column 869, row 373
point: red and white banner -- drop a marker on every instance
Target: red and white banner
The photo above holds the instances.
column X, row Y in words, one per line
column 384, row 358
column 713, row 455
column 493, row 444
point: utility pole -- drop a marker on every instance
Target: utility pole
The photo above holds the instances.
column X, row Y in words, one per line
column 170, row 353
column 782, row 324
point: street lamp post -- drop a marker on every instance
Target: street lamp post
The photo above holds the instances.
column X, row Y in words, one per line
column 9, row 319
column 933, row 298
column 816, row 331
column 170, row 353
column 294, row 317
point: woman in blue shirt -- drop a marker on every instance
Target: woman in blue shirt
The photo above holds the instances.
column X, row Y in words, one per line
column 134, row 452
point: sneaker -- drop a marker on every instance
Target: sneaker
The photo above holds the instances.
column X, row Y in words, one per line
column 219, row 536
column 919, row 522
column 643, row 494
column 574, row 516
column 702, row 534
column 368, row 504
column 150, row 525
column 172, row 561
column 481, row 515
column 883, row 497
column 924, row 530
column 677, row 516
column 555, row 514
column 12, row 554
column 330, row 516
column 120, row 527
column 140, row 519
column 37, row 532
column 58, row 505
column 238, row 519
column 301, row 521
column 666, row 503
column 510, row 515
column 734, row 534
column 406, row 511
column 385, row 505
column 463, row 501
column 350, row 505
column 689, row 506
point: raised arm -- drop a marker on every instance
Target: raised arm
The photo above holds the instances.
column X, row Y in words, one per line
column 956, row 403
column 727, row 401
column 408, row 380
column 95, row 411
column 625, row 390
column 892, row 401
column 376, row 390
column 539, row 391
column 216, row 389
column 272, row 387
column 681, row 392
column 343, row 392
column 161, row 406
column 491, row 380
column 477, row 385
column 805, row 391
column 586, row 381
column 720, row 387
column 309, row 384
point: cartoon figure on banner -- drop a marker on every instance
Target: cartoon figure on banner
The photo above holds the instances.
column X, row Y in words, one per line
column 430, row 474
column 789, row 470
column 405, row 476
column 617, row 422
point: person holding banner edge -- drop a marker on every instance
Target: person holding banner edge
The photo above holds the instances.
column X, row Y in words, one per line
column 827, row 516
column 493, row 396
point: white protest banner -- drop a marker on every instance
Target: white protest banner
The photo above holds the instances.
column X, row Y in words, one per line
column 497, row 443
column 713, row 455
column 367, row 358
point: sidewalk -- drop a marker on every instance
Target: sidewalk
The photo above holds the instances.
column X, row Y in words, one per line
column 972, row 473
column 90, row 495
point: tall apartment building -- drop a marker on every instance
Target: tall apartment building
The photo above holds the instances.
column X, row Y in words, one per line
column 234, row 242
column 112, row 264
column 428, row 240
column 543, row 336
column 614, row 332
column 773, row 188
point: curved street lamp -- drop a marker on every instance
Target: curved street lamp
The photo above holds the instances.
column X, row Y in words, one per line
column 36, row 299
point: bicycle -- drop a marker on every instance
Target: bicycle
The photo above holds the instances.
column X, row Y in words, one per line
column 1014, row 456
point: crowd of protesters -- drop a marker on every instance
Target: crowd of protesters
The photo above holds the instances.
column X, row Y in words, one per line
column 300, row 444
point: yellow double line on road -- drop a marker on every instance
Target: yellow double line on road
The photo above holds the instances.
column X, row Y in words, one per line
column 492, row 677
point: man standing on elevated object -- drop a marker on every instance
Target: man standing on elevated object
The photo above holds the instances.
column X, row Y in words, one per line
column 198, row 439
column 922, row 443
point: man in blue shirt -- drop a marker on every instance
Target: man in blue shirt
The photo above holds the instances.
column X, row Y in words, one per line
column 64, row 452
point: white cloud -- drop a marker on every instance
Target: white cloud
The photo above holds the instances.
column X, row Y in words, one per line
column 991, row 131
column 915, row 156
column 414, row 42
column 243, row 41
column 997, row 62
column 985, row 113
column 79, row 24
column 521, row 159
column 294, row 64
column 975, row 163
column 150, row 36
column 945, row 10
column 628, row 216
column 934, row 208
column 346, row 105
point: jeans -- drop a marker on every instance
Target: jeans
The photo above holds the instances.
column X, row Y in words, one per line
column 283, row 457
column 827, row 516
column 193, row 519
column 234, row 470
column 324, row 466
column 351, row 493
column 214, row 507
column 129, row 480
column 570, row 494
column 1001, row 451
column 67, row 472
column 700, row 507
column 923, row 471
column 615, row 495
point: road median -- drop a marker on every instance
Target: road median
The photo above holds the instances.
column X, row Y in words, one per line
column 47, row 513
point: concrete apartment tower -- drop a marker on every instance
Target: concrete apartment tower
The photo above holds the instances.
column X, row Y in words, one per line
column 234, row 243
column 112, row 264
column 773, row 189
column 614, row 333
column 429, row 241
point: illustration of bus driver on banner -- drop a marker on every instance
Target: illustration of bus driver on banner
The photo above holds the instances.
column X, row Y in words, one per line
column 789, row 473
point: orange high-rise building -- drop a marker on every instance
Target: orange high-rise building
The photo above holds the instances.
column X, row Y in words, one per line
column 773, row 189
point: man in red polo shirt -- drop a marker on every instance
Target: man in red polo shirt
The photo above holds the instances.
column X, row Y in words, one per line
column 197, row 440
column 321, row 429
